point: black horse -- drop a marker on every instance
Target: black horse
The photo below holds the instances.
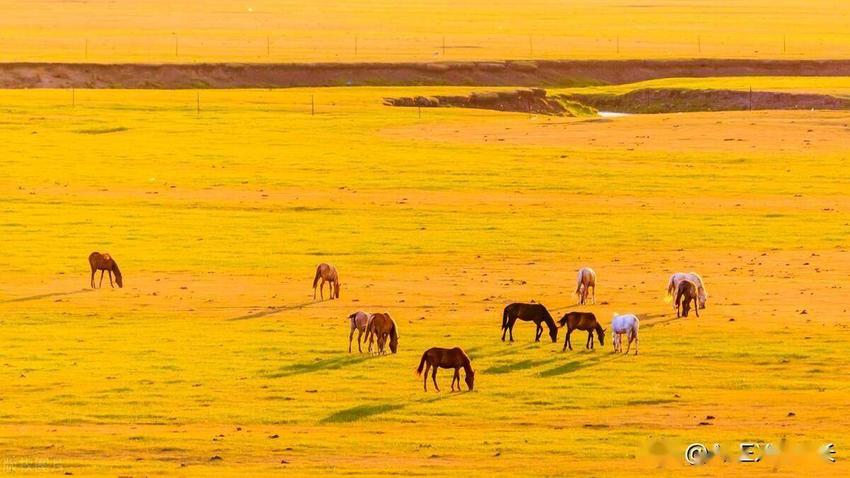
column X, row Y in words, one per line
column 536, row 313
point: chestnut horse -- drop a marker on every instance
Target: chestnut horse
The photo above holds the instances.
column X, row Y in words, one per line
column 677, row 278
column 358, row 321
column 586, row 280
column 105, row 263
column 536, row 313
column 328, row 274
column 582, row 321
column 380, row 326
column 685, row 293
column 455, row 358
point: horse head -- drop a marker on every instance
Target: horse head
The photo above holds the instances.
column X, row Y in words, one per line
column 470, row 379
column 600, row 332
column 553, row 333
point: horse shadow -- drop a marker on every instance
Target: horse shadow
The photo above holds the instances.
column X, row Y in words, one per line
column 576, row 365
column 648, row 325
column 335, row 363
column 361, row 412
column 517, row 366
column 272, row 311
column 45, row 296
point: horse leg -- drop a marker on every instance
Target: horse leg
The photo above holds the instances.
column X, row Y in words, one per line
column 567, row 340
column 511, row 323
column 589, row 344
column 594, row 294
column 629, row 347
column 100, row 285
column 93, row 270
column 110, row 280
column 696, row 307
column 359, row 334
column 434, row 378
column 425, row 375
column 350, row 337
column 538, row 332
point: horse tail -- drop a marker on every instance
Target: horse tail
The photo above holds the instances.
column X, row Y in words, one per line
column 316, row 279
column 578, row 281
column 422, row 363
column 505, row 317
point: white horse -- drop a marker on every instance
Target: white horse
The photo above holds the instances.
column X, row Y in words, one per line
column 678, row 278
column 359, row 320
column 586, row 280
column 625, row 324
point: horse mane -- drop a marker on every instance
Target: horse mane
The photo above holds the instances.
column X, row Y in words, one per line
column 550, row 321
column 115, row 268
column 467, row 363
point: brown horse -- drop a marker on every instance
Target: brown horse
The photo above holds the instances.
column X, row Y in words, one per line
column 105, row 263
column 582, row 321
column 685, row 293
column 536, row 313
column 446, row 358
column 586, row 280
column 328, row 274
column 380, row 326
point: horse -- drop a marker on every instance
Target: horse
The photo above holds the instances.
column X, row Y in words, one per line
column 446, row 358
column 536, row 313
column 358, row 321
column 677, row 278
column 625, row 324
column 380, row 326
column 328, row 274
column 586, row 280
column 105, row 263
column 685, row 293
column 582, row 321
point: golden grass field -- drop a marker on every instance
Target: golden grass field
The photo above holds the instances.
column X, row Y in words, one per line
column 215, row 348
column 384, row 30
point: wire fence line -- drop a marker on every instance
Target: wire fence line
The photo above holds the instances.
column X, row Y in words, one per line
column 275, row 47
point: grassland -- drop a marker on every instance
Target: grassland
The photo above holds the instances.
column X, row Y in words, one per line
column 215, row 360
column 383, row 30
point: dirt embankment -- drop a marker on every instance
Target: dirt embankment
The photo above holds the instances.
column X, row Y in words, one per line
column 503, row 73
column 650, row 100
column 674, row 100
column 527, row 101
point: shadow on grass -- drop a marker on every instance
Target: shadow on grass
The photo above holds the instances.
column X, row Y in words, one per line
column 273, row 311
column 334, row 363
column 361, row 412
column 521, row 365
column 576, row 365
column 45, row 296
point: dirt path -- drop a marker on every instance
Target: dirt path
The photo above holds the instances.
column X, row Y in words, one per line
column 513, row 73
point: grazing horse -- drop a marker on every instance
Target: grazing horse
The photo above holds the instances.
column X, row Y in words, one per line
column 677, row 278
column 582, row 321
column 446, row 358
column 536, row 313
column 328, row 274
column 685, row 293
column 105, row 263
column 380, row 326
column 625, row 324
column 358, row 321
column 586, row 280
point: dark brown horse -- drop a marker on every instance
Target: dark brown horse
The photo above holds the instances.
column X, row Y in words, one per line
column 105, row 263
column 536, row 313
column 380, row 327
column 685, row 293
column 582, row 321
column 455, row 358
column 327, row 273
